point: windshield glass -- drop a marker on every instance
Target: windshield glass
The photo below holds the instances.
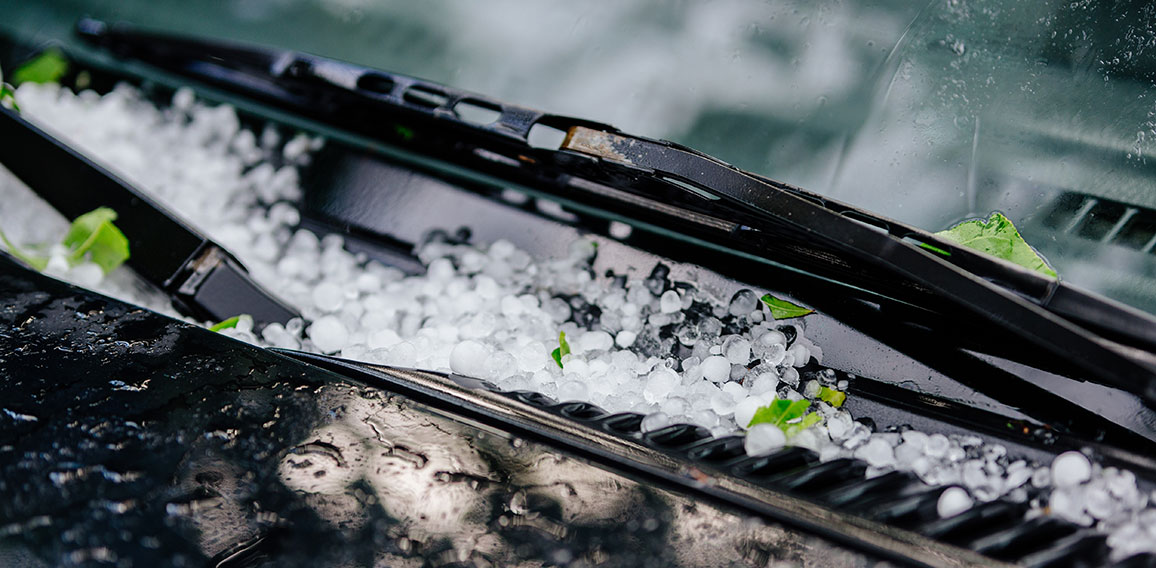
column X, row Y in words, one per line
column 929, row 113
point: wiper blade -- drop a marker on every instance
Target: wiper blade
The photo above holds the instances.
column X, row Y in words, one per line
column 1124, row 367
column 1099, row 339
column 203, row 280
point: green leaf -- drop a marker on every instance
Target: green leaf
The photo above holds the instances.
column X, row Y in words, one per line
column 35, row 261
column 833, row 397
column 8, row 96
column 779, row 412
column 782, row 309
column 48, row 67
column 790, row 416
column 809, row 420
column 770, row 414
column 226, row 324
column 998, row 237
column 563, row 349
column 93, row 234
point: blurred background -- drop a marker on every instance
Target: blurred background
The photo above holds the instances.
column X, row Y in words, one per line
column 930, row 113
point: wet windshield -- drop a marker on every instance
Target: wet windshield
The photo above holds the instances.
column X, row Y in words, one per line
column 927, row 113
column 931, row 114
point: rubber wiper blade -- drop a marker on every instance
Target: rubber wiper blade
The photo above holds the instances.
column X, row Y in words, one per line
column 1100, row 340
column 203, row 280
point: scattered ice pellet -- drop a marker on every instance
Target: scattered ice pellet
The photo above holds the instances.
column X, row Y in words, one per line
column 183, row 99
column 839, row 426
column 276, row 335
column 763, row 439
column 1018, row 473
column 87, row 274
column 743, row 303
column 620, row 230
column 876, row 452
column 469, row 358
column 737, row 350
column 937, row 445
column 595, row 341
column 811, row 389
column 734, row 389
column 675, row 406
column 857, row 435
column 659, row 384
column 383, row 338
column 801, row 355
column 790, row 377
column 1041, row 477
column 625, row 338
column 670, row 302
column 328, row 297
column 1099, row 503
column 716, row 369
column 572, row 391
column 1070, row 469
column 722, row 403
column 1067, row 503
column 655, row 421
column 764, row 383
column 745, row 410
column 916, row 438
column 705, row 417
column 953, row 501
column 328, row 334
column 906, row 454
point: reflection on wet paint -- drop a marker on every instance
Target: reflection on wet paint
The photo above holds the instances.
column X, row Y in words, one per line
column 457, row 494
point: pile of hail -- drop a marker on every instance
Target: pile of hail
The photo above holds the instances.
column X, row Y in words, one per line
column 625, row 342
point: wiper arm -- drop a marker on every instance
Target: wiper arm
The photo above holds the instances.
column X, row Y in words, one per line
column 1104, row 341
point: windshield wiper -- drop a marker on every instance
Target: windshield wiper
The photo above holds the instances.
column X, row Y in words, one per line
column 676, row 187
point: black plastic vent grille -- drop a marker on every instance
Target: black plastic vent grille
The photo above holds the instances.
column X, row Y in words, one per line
column 997, row 529
column 1103, row 221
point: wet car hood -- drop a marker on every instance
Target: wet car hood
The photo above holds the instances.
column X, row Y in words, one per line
column 133, row 439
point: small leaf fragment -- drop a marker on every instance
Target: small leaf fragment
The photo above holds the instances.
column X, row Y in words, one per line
column 562, row 349
column 998, row 237
column 228, row 323
column 790, row 416
column 48, row 67
column 779, row 412
column 93, row 234
column 770, row 414
column 225, row 324
column 35, row 261
column 833, row 397
column 8, row 96
column 809, row 420
column 933, row 248
column 782, row 309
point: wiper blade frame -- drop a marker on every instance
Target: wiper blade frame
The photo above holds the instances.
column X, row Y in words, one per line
column 1108, row 342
